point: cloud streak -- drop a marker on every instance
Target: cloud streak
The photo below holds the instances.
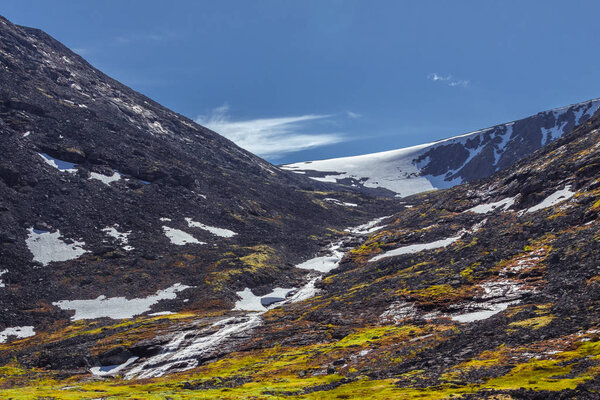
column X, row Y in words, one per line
column 447, row 79
column 133, row 38
column 271, row 137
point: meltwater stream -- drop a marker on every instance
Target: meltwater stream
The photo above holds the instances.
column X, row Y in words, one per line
column 185, row 349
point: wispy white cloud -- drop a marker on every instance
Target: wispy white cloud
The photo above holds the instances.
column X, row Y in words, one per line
column 447, row 79
column 145, row 37
column 270, row 137
column 353, row 115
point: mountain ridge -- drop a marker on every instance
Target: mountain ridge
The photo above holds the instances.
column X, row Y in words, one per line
column 144, row 256
column 447, row 162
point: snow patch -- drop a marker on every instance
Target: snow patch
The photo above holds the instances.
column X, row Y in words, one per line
column 415, row 248
column 250, row 302
column 2, row 272
column 17, row 331
column 179, row 237
column 47, row 247
column 107, row 180
column 503, row 204
column 161, row 313
column 326, row 263
column 215, row 231
column 122, row 237
column 497, row 296
column 369, row 227
column 339, row 202
column 553, row 199
column 305, row 292
column 63, row 166
column 112, row 370
column 157, row 128
column 117, row 307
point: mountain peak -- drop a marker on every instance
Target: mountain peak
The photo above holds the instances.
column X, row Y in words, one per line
column 448, row 162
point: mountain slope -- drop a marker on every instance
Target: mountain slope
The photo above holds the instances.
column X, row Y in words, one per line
column 488, row 290
column 448, row 162
column 103, row 192
column 143, row 256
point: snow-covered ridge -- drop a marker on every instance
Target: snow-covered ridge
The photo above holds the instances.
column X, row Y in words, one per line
column 448, row 162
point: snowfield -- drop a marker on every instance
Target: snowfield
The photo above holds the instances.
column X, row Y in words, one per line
column 415, row 248
column 250, row 302
column 399, row 171
column 553, row 199
column 326, row 263
column 179, row 237
column 47, row 247
column 16, row 331
column 117, row 307
column 215, row 231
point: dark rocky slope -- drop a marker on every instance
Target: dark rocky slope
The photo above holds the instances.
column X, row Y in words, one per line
column 129, row 174
column 486, row 290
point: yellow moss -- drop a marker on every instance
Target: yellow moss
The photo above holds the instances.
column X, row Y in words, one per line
column 538, row 375
column 593, row 279
column 438, row 294
column 533, row 323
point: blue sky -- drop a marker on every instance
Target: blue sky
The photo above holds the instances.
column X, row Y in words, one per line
column 335, row 78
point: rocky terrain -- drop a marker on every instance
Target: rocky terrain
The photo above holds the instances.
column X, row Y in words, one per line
column 143, row 256
column 110, row 201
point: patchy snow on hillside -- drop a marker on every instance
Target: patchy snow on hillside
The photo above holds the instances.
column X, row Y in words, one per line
column 305, row 292
column 339, row 202
column 47, row 247
column 117, row 307
column 107, row 180
column 369, row 227
column 2, row 272
column 179, row 237
column 326, row 263
column 121, row 237
column 503, row 204
column 250, row 302
column 112, row 370
column 553, row 199
column 16, row 331
column 496, row 297
column 222, row 232
column 415, row 248
column 63, row 166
